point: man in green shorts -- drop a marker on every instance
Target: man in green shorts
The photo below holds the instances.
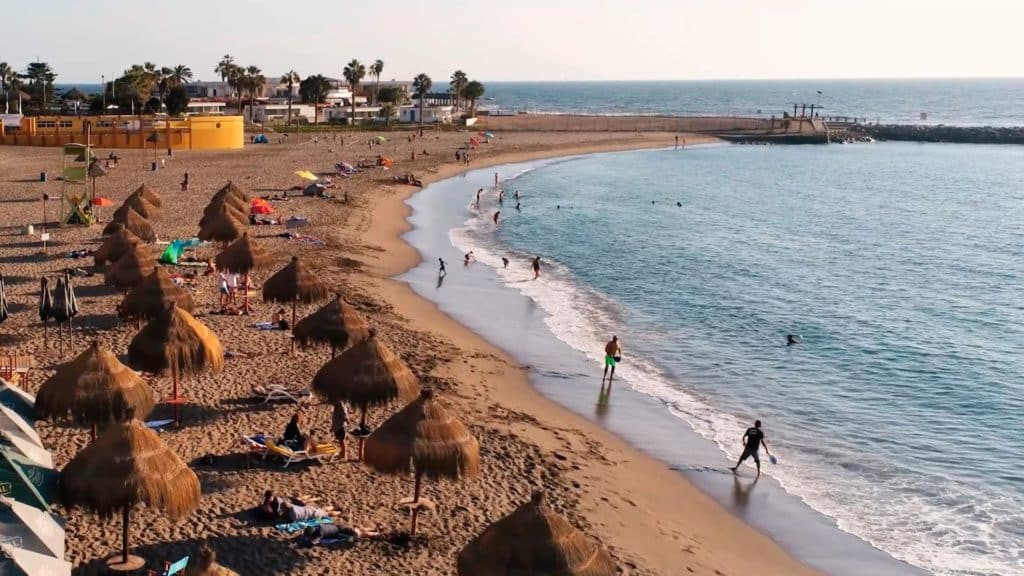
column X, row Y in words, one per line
column 612, row 356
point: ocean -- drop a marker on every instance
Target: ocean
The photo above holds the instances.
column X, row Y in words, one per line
column 899, row 266
column 974, row 102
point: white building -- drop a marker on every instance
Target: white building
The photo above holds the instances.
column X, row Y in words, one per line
column 343, row 114
column 431, row 114
column 269, row 113
column 205, row 108
column 214, row 89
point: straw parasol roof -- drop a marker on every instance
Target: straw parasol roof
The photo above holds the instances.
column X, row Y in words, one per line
column 336, row 324
column 222, row 228
column 149, row 195
column 96, row 170
column 137, row 263
column 115, row 245
column 129, row 464
column 367, row 374
column 94, row 388
column 243, row 256
column 424, row 436
column 534, row 540
column 214, row 211
column 151, row 296
column 232, row 197
column 231, row 189
column 140, row 205
column 134, row 223
column 174, row 339
column 294, row 283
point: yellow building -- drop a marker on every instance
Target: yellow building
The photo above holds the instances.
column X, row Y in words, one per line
column 190, row 133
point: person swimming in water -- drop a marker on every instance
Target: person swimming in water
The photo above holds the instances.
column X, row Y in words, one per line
column 501, row 196
column 791, row 340
column 519, row 207
column 516, row 195
column 536, row 267
column 496, row 214
column 469, row 257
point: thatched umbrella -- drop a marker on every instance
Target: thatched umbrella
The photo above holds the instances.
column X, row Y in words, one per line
column 221, row 209
column 94, row 389
column 222, row 228
column 151, row 296
column 242, row 257
column 337, row 324
column 230, row 189
column 366, row 375
column 148, row 194
column 534, row 540
column 294, row 283
column 4, row 314
column 135, row 224
column 205, row 564
column 427, row 440
column 175, row 341
column 115, row 245
column 95, row 171
column 45, row 306
column 140, row 205
column 128, row 465
column 226, row 195
column 131, row 268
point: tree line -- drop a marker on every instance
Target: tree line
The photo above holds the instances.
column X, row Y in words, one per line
column 146, row 88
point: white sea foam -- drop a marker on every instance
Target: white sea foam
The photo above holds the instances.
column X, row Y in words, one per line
column 903, row 520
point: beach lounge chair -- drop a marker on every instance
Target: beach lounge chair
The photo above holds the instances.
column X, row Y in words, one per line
column 170, row 569
column 14, row 369
column 323, row 452
column 278, row 392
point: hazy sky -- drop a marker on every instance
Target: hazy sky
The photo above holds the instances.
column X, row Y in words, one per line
column 526, row 39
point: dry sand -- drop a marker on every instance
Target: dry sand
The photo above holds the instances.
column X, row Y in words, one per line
column 651, row 518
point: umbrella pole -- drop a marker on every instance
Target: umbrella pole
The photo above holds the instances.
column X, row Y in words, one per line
column 245, row 286
column 292, row 350
column 93, row 432
column 124, row 534
column 60, row 339
column 416, row 502
column 174, row 393
column 362, row 428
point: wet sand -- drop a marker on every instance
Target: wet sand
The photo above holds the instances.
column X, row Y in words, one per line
column 651, row 518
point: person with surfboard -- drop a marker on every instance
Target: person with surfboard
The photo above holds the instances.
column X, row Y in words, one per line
column 753, row 439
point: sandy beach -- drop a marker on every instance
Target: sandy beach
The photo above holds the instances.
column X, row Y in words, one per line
column 652, row 520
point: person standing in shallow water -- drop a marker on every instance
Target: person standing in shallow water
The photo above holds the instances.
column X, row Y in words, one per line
column 496, row 214
column 536, row 267
column 441, row 267
column 612, row 356
column 753, row 439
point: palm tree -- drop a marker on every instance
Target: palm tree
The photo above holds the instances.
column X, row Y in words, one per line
column 389, row 97
column 6, row 76
column 163, row 81
column 314, row 90
column 421, row 85
column 472, row 91
column 235, row 76
column 354, row 73
column 456, row 86
column 376, row 69
column 224, row 67
column 255, row 82
column 180, row 75
column 291, row 78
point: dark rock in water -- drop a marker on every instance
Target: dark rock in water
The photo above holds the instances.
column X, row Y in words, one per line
column 941, row 133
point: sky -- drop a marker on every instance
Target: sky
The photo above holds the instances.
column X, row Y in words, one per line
column 496, row 40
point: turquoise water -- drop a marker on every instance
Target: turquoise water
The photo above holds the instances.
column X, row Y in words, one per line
column 976, row 102
column 898, row 264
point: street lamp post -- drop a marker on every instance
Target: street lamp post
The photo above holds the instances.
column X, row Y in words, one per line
column 103, row 90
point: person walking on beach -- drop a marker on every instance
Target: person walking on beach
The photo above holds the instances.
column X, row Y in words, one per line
column 441, row 270
column 536, row 267
column 677, row 141
column 753, row 439
column 339, row 424
column 504, row 261
column 184, row 182
column 612, row 356
column 496, row 214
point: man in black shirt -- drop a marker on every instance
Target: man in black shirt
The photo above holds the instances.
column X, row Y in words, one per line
column 753, row 439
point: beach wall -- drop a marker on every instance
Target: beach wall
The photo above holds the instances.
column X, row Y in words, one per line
column 191, row 133
column 599, row 123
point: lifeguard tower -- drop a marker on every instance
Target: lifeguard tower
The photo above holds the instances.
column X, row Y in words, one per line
column 74, row 196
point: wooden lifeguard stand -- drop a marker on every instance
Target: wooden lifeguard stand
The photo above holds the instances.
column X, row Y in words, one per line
column 74, row 196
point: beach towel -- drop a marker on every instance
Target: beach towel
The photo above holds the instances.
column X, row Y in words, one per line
column 296, row 526
column 266, row 326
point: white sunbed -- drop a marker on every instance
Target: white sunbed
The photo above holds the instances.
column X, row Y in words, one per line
column 278, row 392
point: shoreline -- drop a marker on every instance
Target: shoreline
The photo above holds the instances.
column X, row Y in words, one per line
column 643, row 487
